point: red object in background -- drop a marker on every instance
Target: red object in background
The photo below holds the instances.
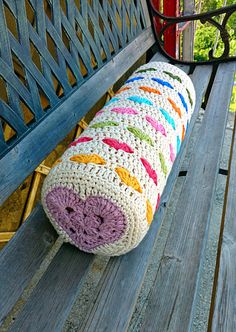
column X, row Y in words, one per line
column 157, row 23
column 171, row 35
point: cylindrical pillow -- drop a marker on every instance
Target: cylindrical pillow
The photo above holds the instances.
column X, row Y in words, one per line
column 102, row 194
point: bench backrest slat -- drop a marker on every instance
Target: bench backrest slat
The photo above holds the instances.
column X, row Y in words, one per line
column 50, row 63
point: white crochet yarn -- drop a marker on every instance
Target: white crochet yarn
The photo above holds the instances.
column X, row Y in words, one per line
column 103, row 193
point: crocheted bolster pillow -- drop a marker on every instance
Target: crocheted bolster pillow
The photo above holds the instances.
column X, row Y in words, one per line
column 102, row 194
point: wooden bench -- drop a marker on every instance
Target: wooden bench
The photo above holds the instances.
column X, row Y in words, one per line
column 166, row 283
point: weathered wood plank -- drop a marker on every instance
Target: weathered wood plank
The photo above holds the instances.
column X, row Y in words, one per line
column 224, row 317
column 205, row 284
column 146, row 12
column 123, row 277
column 206, row 274
column 50, row 302
column 29, row 152
column 170, row 301
column 22, row 256
column 160, row 57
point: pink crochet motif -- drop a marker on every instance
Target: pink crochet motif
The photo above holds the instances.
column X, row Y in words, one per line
column 81, row 140
column 172, row 155
column 157, row 126
column 158, row 201
column 151, row 172
column 99, row 112
column 124, row 110
column 114, row 143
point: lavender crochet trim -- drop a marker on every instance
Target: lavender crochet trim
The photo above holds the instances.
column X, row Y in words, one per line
column 90, row 223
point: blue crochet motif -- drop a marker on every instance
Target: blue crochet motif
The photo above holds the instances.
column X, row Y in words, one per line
column 183, row 101
column 178, row 144
column 168, row 118
column 140, row 100
column 135, row 79
column 164, row 83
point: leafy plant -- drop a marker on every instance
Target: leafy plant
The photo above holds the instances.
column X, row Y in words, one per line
column 207, row 36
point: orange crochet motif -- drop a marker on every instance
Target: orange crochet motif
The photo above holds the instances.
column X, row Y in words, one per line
column 88, row 158
column 58, row 161
column 148, row 89
column 175, row 107
column 128, row 179
column 183, row 132
column 122, row 89
column 149, row 213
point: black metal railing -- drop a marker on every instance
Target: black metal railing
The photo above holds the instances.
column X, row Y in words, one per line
column 203, row 18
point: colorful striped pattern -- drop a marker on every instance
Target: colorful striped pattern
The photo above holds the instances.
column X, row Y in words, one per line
column 102, row 193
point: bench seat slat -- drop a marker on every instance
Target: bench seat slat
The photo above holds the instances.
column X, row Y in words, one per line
column 172, row 295
column 50, row 302
column 120, row 285
column 160, row 57
column 22, row 256
column 224, row 308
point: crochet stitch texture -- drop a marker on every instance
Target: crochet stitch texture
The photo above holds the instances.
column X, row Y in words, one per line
column 101, row 195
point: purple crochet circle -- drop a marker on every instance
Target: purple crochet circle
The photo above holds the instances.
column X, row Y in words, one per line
column 90, row 223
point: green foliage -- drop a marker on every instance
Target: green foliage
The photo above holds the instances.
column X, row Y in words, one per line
column 216, row 4
column 233, row 99
column 206, row 35
column 204, row 42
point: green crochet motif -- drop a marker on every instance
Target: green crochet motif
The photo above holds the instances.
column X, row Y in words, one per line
column 141, row 135
column 104, row 124
column 189, row 97
column 144, row 70
column 173, row 76
column 163, row 164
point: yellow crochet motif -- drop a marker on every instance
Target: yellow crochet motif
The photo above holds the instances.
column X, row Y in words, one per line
column 128, row 179
column 88, row 158
column 149, row 213
column 58, row 161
